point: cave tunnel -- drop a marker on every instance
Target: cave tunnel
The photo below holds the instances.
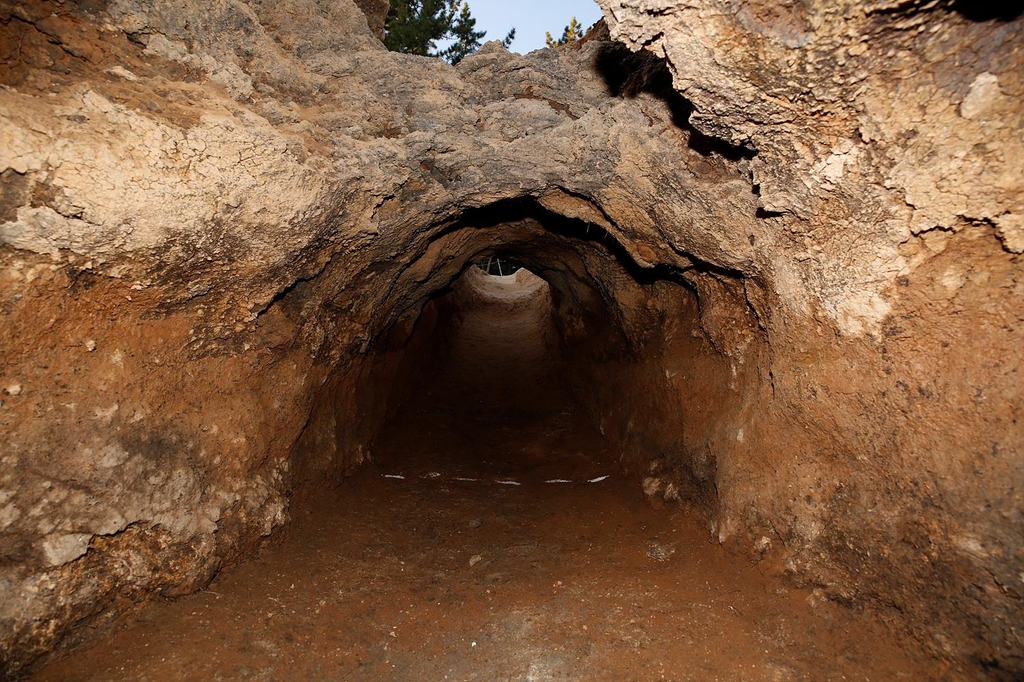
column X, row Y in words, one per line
column 532, row 481
column 578, row 326
column 686, row 351
column 529, row 348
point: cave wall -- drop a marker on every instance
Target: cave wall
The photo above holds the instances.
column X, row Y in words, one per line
column 807, row 284
column 888, row 138
column 674, row 401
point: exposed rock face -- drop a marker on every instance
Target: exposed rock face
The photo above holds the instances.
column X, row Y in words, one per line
column 376, row 12
column 801, row 308
column 890, row 142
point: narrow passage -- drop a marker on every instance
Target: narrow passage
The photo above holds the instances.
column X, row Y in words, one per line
column 494, row 538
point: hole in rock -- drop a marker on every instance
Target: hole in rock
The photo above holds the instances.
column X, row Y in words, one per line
column 530, row 487
column 497, row 266
column 493, row 401
column 989, row 10
column 538, row 357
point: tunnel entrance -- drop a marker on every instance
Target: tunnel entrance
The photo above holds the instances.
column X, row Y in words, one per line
column 493, row 536
column 496, row 266
column 494, row 404
column 500, row 524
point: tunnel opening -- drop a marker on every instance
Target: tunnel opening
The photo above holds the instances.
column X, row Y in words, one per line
column 480, row 479
column 647, row 351
column 498, row 266
column 493, row 405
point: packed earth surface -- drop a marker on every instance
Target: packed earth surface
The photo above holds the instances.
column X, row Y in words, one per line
column 749, row 406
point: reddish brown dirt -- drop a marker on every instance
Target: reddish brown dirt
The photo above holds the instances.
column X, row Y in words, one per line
column 429, row 577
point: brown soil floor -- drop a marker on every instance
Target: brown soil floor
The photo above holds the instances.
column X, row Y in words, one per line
column 454, row 572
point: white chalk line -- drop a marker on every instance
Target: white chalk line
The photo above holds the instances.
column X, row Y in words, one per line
column 433, row 475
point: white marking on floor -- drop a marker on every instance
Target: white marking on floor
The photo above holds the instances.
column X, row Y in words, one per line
column 433, row 475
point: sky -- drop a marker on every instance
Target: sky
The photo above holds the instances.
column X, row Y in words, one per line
column 531, row 18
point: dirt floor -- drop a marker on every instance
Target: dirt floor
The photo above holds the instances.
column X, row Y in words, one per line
column 494, row 538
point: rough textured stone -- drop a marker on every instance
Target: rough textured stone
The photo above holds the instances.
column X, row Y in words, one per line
column 879, row 117
column 888, row 154
column 376, row 12
column 791, row 258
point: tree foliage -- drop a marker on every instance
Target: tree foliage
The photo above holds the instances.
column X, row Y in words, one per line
column 416, row 26
column 467, row 38
column 571, row 33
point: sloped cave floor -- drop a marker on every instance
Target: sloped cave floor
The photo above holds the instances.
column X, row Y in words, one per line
column 494, row 536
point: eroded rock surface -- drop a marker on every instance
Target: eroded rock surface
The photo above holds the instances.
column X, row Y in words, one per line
column 889, row 148
column 794, row 255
